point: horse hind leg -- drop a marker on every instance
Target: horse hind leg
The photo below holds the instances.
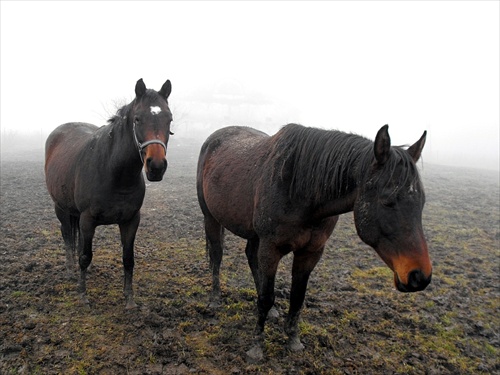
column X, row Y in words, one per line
column 87, row 230
column 215, row 241
column 69, row 232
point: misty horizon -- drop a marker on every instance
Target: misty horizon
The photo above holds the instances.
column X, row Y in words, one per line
column 14, row 143
column 349, row 66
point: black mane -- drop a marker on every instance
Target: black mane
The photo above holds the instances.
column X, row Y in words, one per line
column 329, row 163
column 121, row 114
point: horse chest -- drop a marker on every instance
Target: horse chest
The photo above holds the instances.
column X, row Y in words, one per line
column 290, row 226
column 295, row 236
column 301, row 238
column 113, row 208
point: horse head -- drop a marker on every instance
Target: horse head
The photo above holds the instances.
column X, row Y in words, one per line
column 151, row 119
column 388, row 211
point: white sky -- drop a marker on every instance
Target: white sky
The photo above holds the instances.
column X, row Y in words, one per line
column 354, row 66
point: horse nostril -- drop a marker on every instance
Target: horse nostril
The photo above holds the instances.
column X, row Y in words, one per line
column 156, row 167
column 417, row 280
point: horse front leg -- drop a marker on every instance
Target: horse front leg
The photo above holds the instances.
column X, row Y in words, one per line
column 128, row 231
column 303, row 264
column 251, row 251
column 87, row 230
column 268, row 260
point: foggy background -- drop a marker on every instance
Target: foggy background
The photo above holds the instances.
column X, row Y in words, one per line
column 352, row 66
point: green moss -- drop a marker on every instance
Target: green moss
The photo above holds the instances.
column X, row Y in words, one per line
column 491, row 350
column 18, row 294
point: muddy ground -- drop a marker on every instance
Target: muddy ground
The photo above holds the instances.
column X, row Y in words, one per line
column 354, row 321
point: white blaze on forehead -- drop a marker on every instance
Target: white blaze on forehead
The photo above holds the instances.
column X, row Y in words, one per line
column 155, row 110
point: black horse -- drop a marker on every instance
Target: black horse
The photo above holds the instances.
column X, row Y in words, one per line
column 284, row 194
column 94, row 175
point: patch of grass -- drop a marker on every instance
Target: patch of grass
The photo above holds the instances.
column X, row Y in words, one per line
column 201, row 344
column 429, row 304
column 18, row 294
column 369, row 280
column 491, row 350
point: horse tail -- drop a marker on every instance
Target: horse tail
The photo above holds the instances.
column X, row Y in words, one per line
column 70, row 230
column 214, row 232
column 207, row 251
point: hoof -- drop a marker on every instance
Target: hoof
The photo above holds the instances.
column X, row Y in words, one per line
column 84, row 301
column 273, row 313
column 215, row 303
column 130, row 305
column 255, row 355
column 72, row 272
column 295, row 345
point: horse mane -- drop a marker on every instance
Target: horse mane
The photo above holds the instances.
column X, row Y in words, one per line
column 329, row 163
column 121, row 114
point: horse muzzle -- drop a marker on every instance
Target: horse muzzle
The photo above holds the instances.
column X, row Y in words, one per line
column 412, row 268
column 154, row 160
column 416, row 281
column 155, row 169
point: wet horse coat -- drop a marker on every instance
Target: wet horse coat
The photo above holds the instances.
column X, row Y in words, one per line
column 94, row 175
column 284, row 194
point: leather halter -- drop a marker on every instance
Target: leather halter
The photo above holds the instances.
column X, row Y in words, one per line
column 141, row 146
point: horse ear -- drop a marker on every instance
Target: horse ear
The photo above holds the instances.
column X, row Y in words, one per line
column 140, row 88
column 166, row 89
column 382, row 146
column 416, row 150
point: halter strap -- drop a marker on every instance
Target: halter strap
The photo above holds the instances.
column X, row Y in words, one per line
column 141, row 146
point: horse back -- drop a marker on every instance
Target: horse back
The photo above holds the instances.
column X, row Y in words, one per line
column 63, row 148
column 229, row 168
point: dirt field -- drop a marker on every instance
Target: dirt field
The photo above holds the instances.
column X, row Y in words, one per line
column 354, row 321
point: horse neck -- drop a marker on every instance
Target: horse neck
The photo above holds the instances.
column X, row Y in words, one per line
column 343, row 201
column 124, row 159
column 329, row 181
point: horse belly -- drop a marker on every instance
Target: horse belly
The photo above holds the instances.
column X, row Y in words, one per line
column 59, row 177
column 231, row 166
column 228, row 191
column 62, row 151
column 233, row 210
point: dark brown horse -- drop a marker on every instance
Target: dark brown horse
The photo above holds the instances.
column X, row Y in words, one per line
column 284, row 194
column 94, row 175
